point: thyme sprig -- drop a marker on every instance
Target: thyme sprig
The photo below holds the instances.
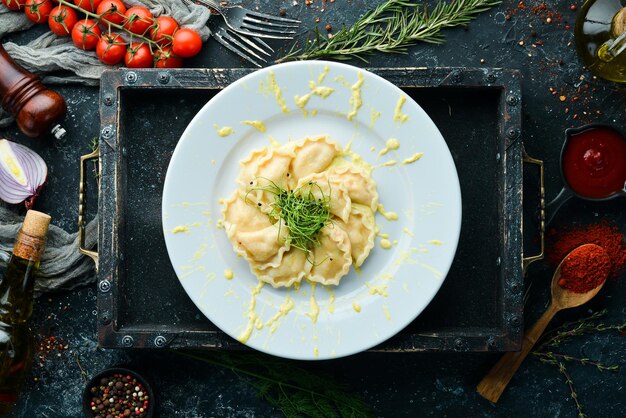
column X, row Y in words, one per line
column 391, row 27
column 295, row 391
column 560, row 335
column 304, row 211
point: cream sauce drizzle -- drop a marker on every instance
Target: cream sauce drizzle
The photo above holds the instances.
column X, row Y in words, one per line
column 283, row 310
column 223, row 131
column 413, row 158
column 377, row 290
column 385, row 244
column 274, row 142
column 408, row 232
column 398, row 116
column 322, row 76
column 256, row 124
column 200, row 252
column 253, row 318
column 387, row 314
column 314, row 309
column 374, row 115
column 436, row 242
column 321, row 91
column 272, row 87
column 228, row 274
column 190, row 273
column 355, row 100
column 331, row 301
column 390, row 216
column 190, row 204
column 406, row 257
column 391, row 144
column 180, row 229
column 356, row 307
column 390, row 163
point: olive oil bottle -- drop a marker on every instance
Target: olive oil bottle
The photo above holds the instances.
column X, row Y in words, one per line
column 600, row 35
column 16, row 307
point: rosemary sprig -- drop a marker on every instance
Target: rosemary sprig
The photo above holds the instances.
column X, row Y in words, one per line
column 391, row 27
column 295, row 391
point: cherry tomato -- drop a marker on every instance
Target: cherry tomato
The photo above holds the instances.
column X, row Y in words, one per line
column 14, row 4
column 187, row 43
column 111, row 48
column 89, row 5
column 138, row 55
column 138, row 20
column 112, row 11
column 38, row 10
column 86, row 34
column 61, row 20
column 163, row 30
column 164, row 58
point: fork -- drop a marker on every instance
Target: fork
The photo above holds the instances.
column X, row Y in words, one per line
column 253, row 23
column 241, row 45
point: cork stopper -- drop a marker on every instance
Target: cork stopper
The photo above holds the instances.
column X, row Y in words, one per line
column 618, row 25
column 36, row 224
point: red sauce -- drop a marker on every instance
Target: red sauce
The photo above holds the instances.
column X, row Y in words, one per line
column 594, row 162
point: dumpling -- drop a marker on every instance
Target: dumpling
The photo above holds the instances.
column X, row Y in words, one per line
column 332, row 257
column 312, row 155
column 360, row 186
column 320, row 185
column 361, row 228
column 265, row 247
column 293, row 267
column 244, row 216
column 248, row 166
column 271, row 171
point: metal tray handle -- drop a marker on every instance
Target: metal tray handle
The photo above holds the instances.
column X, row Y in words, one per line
column 81, row 207
column 526, row 261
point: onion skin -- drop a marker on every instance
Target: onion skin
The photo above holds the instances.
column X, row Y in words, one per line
column 23, row 173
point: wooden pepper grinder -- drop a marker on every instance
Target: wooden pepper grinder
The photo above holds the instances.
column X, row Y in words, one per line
column 37, row 110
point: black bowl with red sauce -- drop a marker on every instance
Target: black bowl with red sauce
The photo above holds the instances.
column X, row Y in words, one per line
column 593, row 165
column 593, row 161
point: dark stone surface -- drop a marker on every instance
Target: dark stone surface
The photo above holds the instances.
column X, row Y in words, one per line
column 393, row 384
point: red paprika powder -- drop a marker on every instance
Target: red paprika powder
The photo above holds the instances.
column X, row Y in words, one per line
column 607, row 236
column 585, row 268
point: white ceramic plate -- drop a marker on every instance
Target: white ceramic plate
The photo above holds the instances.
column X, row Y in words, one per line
column 394, row 285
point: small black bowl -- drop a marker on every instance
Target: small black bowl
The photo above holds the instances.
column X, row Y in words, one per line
column 108, row 373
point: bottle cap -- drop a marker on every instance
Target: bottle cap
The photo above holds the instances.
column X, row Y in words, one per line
column 36, row 223
column 618, row 25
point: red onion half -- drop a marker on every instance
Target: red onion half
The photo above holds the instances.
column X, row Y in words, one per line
column 22, row 173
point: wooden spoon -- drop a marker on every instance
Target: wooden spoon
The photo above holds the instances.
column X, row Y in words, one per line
column 494, row 383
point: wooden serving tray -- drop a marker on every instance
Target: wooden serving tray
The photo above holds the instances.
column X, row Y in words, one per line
column 143, row 114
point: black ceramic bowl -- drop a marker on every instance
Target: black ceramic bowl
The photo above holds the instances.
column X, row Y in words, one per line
column 123, row 374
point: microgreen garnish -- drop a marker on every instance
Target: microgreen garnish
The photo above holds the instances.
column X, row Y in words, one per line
column 302, row 211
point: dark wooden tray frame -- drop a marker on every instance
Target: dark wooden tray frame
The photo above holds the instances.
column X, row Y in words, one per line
column 505, row 337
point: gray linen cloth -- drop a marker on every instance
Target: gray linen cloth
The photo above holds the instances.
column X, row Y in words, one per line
column 58, row 61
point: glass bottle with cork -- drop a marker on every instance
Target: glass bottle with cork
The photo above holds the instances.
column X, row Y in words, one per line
column 16, row 306
column 600, row 35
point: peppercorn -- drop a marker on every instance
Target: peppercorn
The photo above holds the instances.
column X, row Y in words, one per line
column 329, row 28
column 118, row 396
